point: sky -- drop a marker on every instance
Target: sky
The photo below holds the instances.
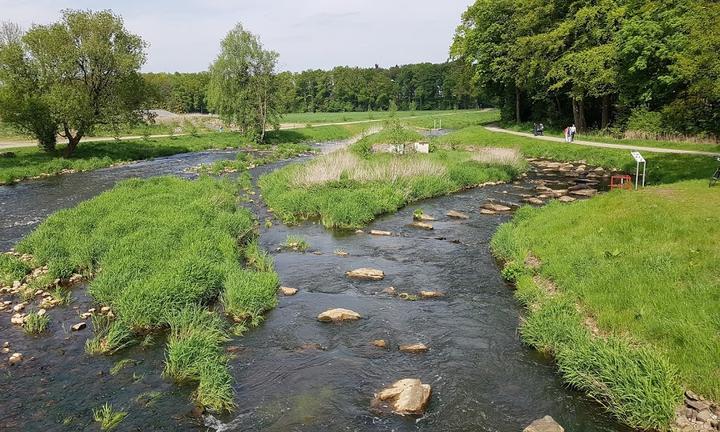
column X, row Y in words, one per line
column 184, row 35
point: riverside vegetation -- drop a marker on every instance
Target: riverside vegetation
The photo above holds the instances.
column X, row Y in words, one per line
column 622, row 290
column 29, row 162
column 163, row 251
column 350, row 187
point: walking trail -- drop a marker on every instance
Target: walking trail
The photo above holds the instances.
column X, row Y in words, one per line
column 606, row 145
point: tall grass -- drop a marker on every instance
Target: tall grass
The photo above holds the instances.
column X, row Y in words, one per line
column 657, row 303
column 12, row 268
column 163, row 250
column 347, row 191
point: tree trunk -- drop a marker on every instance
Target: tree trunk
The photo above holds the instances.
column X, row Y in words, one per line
column 517, row 105
column 605, row 112
column 72, row 144
column 579, row 114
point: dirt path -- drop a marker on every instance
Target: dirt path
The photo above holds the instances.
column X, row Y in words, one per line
column 605, row 145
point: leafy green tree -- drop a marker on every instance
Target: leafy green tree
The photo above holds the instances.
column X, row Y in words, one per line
column 85, row 69
column 243, row 84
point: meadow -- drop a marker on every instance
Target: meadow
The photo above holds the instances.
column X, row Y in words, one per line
column 30, row 162
column 162, row 252
column 641, row 268
column 348, row 188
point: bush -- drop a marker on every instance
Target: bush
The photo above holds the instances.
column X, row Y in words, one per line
column 646, row 121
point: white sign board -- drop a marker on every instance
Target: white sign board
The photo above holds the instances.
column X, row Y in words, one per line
column 638, row 157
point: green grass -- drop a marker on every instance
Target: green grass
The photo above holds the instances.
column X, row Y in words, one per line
column 35, row 323
column 661, row 168
column 161, row 248
column 296, row 242
column 248, row 294
column 338, row 117
column 644, row 266
column 30, row 162
column 11, row 269
column 597, row 136
column 347, row 191
column 459, row 119
column 108, row 417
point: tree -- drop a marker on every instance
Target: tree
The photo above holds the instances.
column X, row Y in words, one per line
column 85, row 72
column 243, row 85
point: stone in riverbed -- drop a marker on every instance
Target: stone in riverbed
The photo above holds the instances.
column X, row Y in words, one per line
column 457, row 215
column 17, row 319
column 338, row 315
column 79, row 326
column 19, row 307
column 545, row 424
column 287, row 291
column 584, row 192
column 405, row 397
column 430, row 294
column 380, row 343
column 534, row 201
column 414, row 348
column 487, row 212
column 366, row 274
column 421, row 225
column 15, row 358
column 390, row 291
column 496, row 207
column 566, row 199
column 380, row 233
column 704, row 416
column 423, row 217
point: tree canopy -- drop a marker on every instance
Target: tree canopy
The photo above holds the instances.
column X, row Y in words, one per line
column 71, row 76
column 243, row 85
column 597, row 62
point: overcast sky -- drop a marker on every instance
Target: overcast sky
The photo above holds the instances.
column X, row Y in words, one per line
column 184, row 35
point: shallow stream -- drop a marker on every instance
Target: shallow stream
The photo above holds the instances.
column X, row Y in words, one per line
column 294, row 373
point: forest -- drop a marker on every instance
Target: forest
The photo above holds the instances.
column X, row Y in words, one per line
column 422, row 86
column 642, row 64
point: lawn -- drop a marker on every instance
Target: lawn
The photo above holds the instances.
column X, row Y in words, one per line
column 354, row 116
column 30, row 162
column 606, row 138
column 644, row 266
column 349, row 188
column 161, row 252
column 661, row 167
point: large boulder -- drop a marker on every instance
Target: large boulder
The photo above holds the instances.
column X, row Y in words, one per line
column 366, row 274
column 338, row 315
column 545, row 424
column 405, row 397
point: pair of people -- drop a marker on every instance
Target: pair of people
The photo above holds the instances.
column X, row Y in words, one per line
column 570, row 133
column 538, row 129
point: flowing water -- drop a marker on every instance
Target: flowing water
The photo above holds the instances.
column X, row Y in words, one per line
column 294, row 373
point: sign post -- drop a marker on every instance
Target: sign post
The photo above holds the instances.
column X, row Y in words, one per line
column 639, row 160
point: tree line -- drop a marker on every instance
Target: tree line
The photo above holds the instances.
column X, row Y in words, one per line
column 649, row 64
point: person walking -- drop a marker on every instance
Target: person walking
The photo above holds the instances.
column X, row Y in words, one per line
column 566, row 131
column 573, row 131
column 541, row 129
column 535, row 129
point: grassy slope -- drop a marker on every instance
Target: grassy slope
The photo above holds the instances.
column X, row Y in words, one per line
column 30, row 162
column 336, row 117
column 347, row 203
column 644, row 265
column 661, row 168
column 166, row 248
column 604, row 138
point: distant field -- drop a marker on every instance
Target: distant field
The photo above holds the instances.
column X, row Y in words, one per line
column 337, row 117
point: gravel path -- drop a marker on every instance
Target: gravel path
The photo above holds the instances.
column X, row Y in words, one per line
column 605, row 145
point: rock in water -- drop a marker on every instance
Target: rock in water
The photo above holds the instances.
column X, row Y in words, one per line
column 487, row 212
column 534, row 201
column 405, row 397
column 338, row 315
column 496, row 207
column 421, row 225
column 366, row 274
column 457, row 215
column 380, row 233
column 414, row 348
column 566, row 199
column 15, row 359
column 430, row 294
column 380, row 343
column 287, row 291
column 545, row 424
column 79, row 326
